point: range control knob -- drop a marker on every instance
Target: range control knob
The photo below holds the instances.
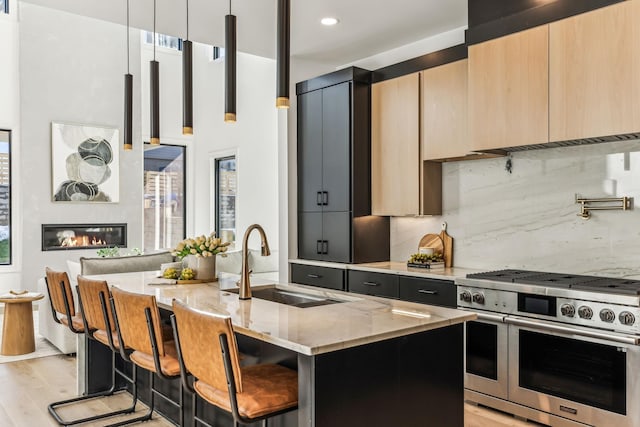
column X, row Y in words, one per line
column 607, row 315
column 465, row 296
column 568, row 310
column 478, row 297
column 627, row 318
column 585, row 312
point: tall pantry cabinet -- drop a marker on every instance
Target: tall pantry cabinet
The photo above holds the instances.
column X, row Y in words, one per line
column 334, row 157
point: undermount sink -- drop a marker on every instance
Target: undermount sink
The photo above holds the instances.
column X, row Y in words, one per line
column 295, row 299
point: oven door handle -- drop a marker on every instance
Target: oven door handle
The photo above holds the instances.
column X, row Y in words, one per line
column 497, row 318
column 569, row 330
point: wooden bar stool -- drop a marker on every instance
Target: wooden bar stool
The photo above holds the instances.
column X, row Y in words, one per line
column 94, row 301
column 139, row 328
column 207, row 349
column 63, row 309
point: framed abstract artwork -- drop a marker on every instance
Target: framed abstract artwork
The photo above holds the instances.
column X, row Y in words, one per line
column 85, row 163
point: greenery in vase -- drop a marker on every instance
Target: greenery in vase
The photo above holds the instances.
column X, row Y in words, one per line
column 201, row 246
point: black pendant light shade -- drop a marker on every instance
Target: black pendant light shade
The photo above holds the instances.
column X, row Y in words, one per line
column 187, row 88
column 154, row 118
column 230, row 68
column 283, row 52
column 128, row 98
column 154, row 79
column 128, row 112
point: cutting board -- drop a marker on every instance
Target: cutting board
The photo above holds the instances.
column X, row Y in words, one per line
column 447, row 241
column 432, row 241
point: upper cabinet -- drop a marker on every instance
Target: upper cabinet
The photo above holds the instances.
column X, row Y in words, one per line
column 444, row 112
column 508, row 90
column 395, row 146
column 594, row 66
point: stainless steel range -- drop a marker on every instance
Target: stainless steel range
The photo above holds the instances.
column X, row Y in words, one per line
column 560, row 349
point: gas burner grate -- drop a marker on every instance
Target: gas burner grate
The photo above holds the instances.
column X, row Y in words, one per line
column 508, row 275
column 557, row 280
column 610, row 285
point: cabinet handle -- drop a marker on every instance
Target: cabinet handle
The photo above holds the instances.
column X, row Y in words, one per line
column 325, row 198
column 319, row 247
column 313, row 276
column 325, row 247
column 428, row 292
column 319, row 198
column 370, row 284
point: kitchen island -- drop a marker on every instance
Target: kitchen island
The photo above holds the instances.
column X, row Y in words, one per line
column 361, row 361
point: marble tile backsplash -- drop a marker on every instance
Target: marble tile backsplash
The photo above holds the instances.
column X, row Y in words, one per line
column 528, row 218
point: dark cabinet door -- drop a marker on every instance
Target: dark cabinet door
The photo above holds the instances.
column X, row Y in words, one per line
column 336, row 143
column 336, row 232
column 428, row 291
column 332, row 278
column 376, row 284
column 310, row 196
column 310, row 242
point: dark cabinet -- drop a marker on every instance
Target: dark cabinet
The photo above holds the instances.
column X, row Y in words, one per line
column 376, row 284
column 428, row 291
column 325, row 277
column 334, row 157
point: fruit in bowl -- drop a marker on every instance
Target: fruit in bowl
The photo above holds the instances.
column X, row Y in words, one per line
column 171, row 273
column 425, row 258
column 187, row 274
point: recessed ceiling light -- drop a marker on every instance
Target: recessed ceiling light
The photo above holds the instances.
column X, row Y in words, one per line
column 329, row 21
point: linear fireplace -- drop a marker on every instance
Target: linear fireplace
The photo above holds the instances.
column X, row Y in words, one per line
column 57, row 237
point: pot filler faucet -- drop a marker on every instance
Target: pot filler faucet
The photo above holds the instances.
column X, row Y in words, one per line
column 245, row 284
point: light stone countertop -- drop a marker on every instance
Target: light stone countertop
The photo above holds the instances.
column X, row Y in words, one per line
column 394, row 267
column 358, row 320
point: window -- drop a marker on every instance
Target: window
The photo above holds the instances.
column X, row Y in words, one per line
column 5, row 197
column 164, row 196
column 226, row 190
column 162, row 40
column 4, row 6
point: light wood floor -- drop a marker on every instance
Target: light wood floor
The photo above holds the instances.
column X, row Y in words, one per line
column 28, row 386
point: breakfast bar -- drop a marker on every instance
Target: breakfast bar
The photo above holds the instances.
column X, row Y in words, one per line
column 361, row 360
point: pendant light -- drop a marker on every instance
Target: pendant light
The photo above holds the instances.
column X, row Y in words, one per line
column 230, row 67
column 187, row 83
column 283, row 52
column 128, row 98
column 154, row 72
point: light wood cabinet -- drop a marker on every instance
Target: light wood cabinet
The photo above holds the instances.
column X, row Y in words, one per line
column 444, row 112
column 395, row 146
column 508, row 90
column 594, row 66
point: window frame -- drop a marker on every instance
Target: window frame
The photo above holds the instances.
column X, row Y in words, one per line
column 184, row 186
column 213, row 204
column 5, row 10
column 10, row 200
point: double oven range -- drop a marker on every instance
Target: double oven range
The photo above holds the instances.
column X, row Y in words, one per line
column 560, row 349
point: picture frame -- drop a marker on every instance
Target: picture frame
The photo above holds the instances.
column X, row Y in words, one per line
column 85, row 163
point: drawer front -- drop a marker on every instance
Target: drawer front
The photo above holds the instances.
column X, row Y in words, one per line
column 377, row 284
column 428, row 291
column 325, row 277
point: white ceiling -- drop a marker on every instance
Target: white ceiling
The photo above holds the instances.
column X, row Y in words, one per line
column 366, row 27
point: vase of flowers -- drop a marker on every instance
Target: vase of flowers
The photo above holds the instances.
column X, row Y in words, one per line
column 199, row 254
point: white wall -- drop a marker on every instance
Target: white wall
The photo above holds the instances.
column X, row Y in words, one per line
column 10, row 119
column 528, row 219
column 71, row 70
column 254, row 137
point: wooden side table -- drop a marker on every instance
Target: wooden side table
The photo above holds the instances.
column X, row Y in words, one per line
column 17, row 328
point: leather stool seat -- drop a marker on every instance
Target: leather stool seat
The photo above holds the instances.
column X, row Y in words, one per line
column 76, row 322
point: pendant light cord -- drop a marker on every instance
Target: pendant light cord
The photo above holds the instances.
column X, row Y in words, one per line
column 154, row 30
column 128, row 72
column 229, row 7
column 187, row 19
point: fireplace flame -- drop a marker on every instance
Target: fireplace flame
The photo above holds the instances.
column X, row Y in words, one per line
column 74, row 241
